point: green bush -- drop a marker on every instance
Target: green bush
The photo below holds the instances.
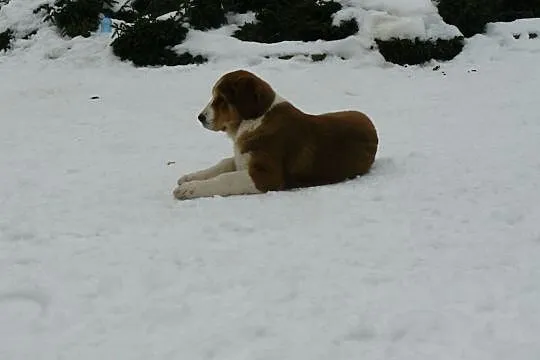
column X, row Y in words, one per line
column 204, row 14
column 149, row 41
column 76, row 17
column 413, row 52
column 303, row 20
column 243, row 6
column 5, row 39
column 518, row 9
column 200, row 14
column 155, row 7
column 125, row 13
column 470, row 16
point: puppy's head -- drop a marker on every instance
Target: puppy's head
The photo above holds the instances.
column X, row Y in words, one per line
column 236, row 96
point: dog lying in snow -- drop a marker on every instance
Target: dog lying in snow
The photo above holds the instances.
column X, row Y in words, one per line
column 276, row 145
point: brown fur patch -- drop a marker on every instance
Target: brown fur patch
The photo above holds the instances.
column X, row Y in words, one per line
column 250, row 95
column 226, row 117
column 294, row 149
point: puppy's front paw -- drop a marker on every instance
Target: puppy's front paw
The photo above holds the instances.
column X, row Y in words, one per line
column 185, row 179
column 185, row 190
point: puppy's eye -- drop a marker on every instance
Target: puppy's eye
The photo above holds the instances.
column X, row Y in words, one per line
column 219, row 100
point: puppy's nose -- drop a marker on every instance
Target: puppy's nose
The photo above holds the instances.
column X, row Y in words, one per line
column 202, row 118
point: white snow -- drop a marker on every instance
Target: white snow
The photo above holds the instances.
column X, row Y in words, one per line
column 516, row 35
column 386, row 19
column 433, row 255
column 522, row 26
column 19, row 16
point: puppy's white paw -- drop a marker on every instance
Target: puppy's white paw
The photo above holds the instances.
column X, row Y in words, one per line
column 186, row 190
column 185, row 179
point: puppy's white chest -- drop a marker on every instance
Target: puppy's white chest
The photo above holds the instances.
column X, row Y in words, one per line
column 242, row 160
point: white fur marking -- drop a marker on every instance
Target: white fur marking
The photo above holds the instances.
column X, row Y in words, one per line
column 277, row 100
column 225, row 165
column 226, row 184
column 242, row 160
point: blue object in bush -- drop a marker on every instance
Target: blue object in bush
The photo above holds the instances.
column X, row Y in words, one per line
column 106, row 24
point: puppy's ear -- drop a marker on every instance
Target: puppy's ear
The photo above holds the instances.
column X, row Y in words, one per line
column 250, row 96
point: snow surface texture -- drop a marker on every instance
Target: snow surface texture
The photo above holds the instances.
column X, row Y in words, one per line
column 433, row 255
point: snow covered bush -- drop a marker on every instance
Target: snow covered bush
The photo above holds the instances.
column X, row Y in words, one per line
column 5, row 39
column 413, row 52
column 204, row 14
column 470, row 16
column 149, row 41
column 76, row 17
column 125, row 13
column 304, row 20
column 200, row 14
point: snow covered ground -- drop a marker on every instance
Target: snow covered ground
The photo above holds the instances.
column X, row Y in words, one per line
column 433, row 255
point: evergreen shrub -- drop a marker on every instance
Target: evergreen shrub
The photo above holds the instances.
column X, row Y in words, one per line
column 469, row 16
column 5, row 39
column 518, row 9
column 301, row 20
column 204, row 14
column 155, row 7
column 75, row 17
column 414, row 52
column 148, row 42
column 243, row 6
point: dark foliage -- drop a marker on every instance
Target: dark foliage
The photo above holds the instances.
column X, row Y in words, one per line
column 149, row 41
column 201, row 14
column 75, row 17
column 314, row 57
column 204, row 14
column 304, row 20
column 470, row 16
column 518, row 9
column 243, row 6
column 126, row 14
column 5, row 39
column 413, row 52
column 155, row 7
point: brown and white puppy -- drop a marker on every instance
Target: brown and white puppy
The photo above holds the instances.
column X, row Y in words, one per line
column 276, row 145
